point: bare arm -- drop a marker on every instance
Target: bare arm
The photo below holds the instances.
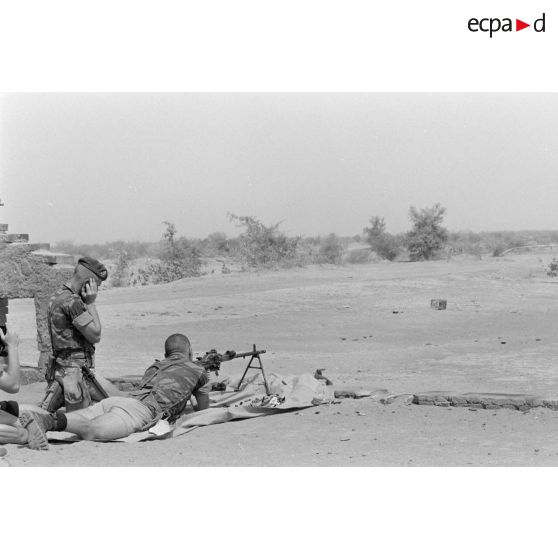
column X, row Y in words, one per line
column 10, row 379
column 201, row 392
column 92, row 329
column 202, row 399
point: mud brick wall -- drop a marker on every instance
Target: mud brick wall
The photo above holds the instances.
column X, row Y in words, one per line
column 520, row 402
column 31, row 271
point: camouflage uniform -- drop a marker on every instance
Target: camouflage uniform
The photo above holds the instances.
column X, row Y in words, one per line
column 167, row 385
column 71, row 352
column 164, row 392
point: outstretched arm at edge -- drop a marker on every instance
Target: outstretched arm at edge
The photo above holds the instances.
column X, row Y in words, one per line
column 11, row 378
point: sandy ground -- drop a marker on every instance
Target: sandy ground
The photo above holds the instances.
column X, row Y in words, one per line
column 369, row 326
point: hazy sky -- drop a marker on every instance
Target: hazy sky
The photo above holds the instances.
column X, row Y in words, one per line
column 97, row 167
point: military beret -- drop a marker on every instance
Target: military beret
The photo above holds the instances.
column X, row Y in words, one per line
column 95, row 266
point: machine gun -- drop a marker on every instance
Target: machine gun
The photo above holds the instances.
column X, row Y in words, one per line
column 212, row 361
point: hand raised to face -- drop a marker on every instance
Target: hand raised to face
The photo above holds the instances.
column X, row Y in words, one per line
column 89, row 291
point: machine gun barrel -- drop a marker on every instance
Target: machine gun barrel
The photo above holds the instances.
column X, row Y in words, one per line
column 250, row 353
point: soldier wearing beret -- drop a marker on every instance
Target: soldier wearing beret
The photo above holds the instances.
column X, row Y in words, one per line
column 75, row 328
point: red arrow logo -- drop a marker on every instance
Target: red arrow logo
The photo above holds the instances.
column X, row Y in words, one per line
column 519, row 25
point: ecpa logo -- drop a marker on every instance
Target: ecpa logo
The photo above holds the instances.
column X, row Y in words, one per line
column 493, row 25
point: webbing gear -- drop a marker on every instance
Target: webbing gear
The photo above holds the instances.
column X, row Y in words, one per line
column 171, row 415
column 96, row 390
column 65, row 357
column 147, row 385
column 54, row 397
column 70, row 390
column 157, row 366
column 76, row 393
column 50, row 372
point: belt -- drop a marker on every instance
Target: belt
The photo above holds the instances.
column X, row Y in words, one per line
column 67, row 357
column 148, row 400
column 72, row 353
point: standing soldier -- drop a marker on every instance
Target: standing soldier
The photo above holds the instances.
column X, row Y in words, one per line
column 74, row 328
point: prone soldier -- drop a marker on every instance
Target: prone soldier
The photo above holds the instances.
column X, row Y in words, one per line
column 75, row 328
column 164, row 392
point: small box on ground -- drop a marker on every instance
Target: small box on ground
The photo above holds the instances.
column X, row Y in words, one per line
column 438, row 304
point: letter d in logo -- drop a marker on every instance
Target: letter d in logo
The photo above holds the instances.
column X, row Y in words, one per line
column 539, row 25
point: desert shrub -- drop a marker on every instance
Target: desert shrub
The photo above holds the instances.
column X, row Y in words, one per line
column 134, row 249
column 358, row 256
column 330, row 250
column 264, row 246
column 65, row 246
column 498, row 242
column 474, row 250
column 387, row 247
column 384, row 244
column 307, row 251
column 377, row 228
column 427, row 237
column 464, row 242
column 215, row 245
column 179, row 255
column 119, row 275
column 498, row 250
column 552, row 268
column 178, row 258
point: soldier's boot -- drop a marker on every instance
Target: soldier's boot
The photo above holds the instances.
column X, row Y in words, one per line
column 76, row 394
column 36, row 428
column 54, row 396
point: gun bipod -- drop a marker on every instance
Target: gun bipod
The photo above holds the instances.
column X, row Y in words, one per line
column 255, row 356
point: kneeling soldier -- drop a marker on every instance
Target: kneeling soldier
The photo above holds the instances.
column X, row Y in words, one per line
column 74, row 328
